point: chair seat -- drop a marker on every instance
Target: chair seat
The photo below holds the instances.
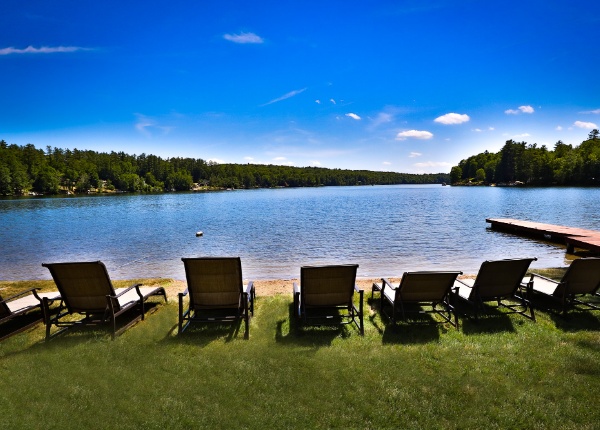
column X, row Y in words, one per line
column 545, row 286
column 390, row 294
column 30, row 301
column 463, row 290
column 131, row 297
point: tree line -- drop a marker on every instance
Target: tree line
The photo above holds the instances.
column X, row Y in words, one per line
column 27, row 169
column 532, row 165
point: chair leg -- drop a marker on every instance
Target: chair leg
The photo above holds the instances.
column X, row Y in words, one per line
column 361, row 313
column 246, row 316
column 180, row 324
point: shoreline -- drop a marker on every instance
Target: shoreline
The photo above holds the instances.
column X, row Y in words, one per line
column 274, row 287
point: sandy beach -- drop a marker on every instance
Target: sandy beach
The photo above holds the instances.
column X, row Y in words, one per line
column 273, row 287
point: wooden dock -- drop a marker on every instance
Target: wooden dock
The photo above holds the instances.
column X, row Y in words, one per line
column 570, row 236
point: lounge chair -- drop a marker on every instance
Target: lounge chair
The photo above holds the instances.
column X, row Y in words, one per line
column 22, row 303
column 86, row 289
column 217, row 292
column 325, row 295
column 497, row 281
column 429, row 289
column 581, row 278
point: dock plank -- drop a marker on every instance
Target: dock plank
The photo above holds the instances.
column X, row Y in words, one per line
column 569, row 236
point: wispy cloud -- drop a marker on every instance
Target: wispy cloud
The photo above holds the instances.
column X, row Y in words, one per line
column 243, row 38
column 41, row 50
column 279, row 159
column 519, row 136
column 285, row 96
column 353, row 116
column 386, row 163
column 558, row 128
column 416, row 134
column 452, row 118
column 583, row 124
column 522, row 109
column 315, row 163
column 381, row 118
column 414, row 154
column 433, row 164
column 145, row 125
column 595, row 111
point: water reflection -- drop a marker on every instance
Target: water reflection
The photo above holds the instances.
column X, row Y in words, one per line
column 385, row 229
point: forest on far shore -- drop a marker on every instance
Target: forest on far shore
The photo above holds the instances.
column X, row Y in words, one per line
column 29, row 170
column 520, row 163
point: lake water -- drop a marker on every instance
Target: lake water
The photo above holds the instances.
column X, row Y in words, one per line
column 385, row 229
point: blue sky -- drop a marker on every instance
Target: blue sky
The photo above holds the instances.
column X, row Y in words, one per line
column 405, row 86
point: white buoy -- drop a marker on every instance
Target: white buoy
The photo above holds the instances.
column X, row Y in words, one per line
column 199, row 233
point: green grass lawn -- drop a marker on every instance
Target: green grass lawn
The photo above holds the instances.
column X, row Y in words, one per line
column 502, row 372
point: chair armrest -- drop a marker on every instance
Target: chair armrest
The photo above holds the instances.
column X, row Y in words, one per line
column 184, row 293
column 357, row 289
column 249, row 287
column 385, row 282
column 19, row 294
column 535, row 275
column 296, row 288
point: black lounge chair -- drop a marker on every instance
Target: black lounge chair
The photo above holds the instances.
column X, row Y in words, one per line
column 423, row 289
column 217, row 292
column 497, row 281
column 582, row 278
column 325, row 295
column 22, row 303
column 86, row 289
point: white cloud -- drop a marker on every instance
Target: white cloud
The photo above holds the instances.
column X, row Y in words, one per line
column 353, row 116
column 42, row 50
column 595, row 111
column 315, row 163
column 491, row 129
column 478, row 130
column 414, row 154
column 417, row 134
column 518, row 136
column 452, row 118
column 243, row 38
column 318, row 101
column 522, row 109
column 285, row 96
column 279, row 159
column 249, row 158
column 386, row 163
column 216, row 160
column 558, row 128
column 332, row 101
column 433, row 164
column 582, row 124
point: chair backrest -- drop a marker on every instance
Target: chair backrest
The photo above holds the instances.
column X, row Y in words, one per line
column 214, row 282
column 327, row 285
column 582, row 277
column 500, row 278
column 425, row 286
column 83, row 286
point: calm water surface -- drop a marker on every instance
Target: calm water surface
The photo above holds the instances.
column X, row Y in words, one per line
column 385, row 229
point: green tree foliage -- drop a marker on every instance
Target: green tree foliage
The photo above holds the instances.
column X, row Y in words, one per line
column 25, row 168
column 533, row 165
